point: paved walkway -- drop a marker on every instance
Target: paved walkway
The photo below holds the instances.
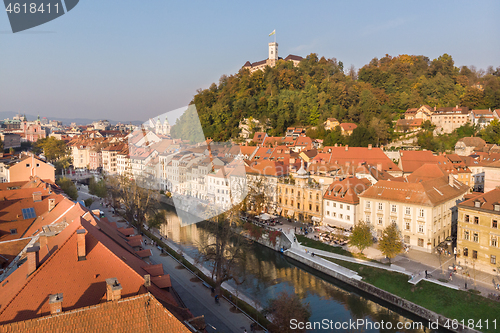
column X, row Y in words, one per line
column 415, row 263
column 195, row 295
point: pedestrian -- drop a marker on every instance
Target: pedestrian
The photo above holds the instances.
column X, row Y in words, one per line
column 426, row 274
column 465, row 285
column 451, row 274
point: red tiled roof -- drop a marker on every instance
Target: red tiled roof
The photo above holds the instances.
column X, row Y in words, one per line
column 162, row 281
column 347, row 190
column 426, row 193
column 81, row 282
column 154, row 270
column 142, row 313
column 412, row 160
column 358, row 155
column 348, row 126
column 487, row 201
column 267, row 168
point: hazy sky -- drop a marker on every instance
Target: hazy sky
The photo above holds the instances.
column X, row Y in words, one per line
column 131, row 60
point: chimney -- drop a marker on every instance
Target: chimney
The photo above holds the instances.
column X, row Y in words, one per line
column 52, row 204
column 379, row 166
column 33, row 259
column 37, row 196
column 346, row 147
column 113, row 289
column 147, row 280
column 370, row 146
column 55, row 303
column 80, row 239
column 336, row 145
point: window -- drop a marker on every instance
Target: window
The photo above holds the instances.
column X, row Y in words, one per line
column 475, row 237
column 494, row 241
column 334, row 214
column 367, row 218
column 380, row 206
column 317, row 208
column 328, row 203
column 367, row 205
column 317, row 196
column 466, row 235
column 341, row 206
column 421, row 228
column 466, row 252
column 13, row 231
column 493, row 259
column 477, row 204
column 328, row 212
column 379, row 220
column 310, row 207
column 298, row 193
column 393, row 208
column 497, row 208
column 348, row 207
column 407, row 225
column 334, row 205
column 407, row 239
column 421, row 212
column 466, row 218
column 348, row 217
column 310, row 195
column 421, row 242
column 474, row 254
column 27, row 165
column 28, row 213
column 476, row 220
column 280, row 200
column 298, row 205
column 341, row 216
column 494, row 224
column 407, row 210
column 393, row 221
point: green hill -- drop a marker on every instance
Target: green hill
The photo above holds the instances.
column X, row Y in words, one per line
column 317, row 89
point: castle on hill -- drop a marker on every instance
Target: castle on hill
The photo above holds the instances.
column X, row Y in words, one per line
column 272, row 60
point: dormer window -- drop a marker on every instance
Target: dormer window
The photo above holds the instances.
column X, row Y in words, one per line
column 477, row 204
column 497, row 207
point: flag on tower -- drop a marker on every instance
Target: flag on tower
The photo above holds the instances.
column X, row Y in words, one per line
column 272, row 33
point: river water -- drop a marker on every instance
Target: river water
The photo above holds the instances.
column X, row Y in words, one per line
column 268, row 273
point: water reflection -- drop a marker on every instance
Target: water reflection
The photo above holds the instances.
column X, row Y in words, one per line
column 268, row 273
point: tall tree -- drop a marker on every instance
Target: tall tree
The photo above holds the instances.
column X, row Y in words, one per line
column 391, row 244
column 361, row 236
column 68, row 187
column 287, row 307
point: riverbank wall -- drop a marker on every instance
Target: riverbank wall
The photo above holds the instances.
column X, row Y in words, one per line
column 426, row 314
column 285, row 241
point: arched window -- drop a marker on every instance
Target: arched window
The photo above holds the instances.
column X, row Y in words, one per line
column 466, row 252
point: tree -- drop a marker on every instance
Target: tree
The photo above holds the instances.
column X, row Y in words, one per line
column 98, row 188
column 361, row 137
column 390, row 244
column 137, row 195
column 52, row 149
column 219, row 246
column 361, row 236
column 68, row 187
column 88, row 202
column 285, row 307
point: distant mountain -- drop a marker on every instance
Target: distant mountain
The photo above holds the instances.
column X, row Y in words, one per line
column 67, row 121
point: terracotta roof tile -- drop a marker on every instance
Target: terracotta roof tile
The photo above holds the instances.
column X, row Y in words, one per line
column 142, row 313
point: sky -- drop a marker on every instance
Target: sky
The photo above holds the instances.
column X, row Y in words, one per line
column 132, row 60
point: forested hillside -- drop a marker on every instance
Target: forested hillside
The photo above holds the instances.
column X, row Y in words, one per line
column 317, row 89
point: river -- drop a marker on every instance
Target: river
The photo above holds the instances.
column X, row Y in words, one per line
column 268, row 273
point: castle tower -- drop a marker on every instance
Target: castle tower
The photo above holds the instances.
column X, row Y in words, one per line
column 273, row 54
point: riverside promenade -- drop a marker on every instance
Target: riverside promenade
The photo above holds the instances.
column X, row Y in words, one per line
column 195, row 296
